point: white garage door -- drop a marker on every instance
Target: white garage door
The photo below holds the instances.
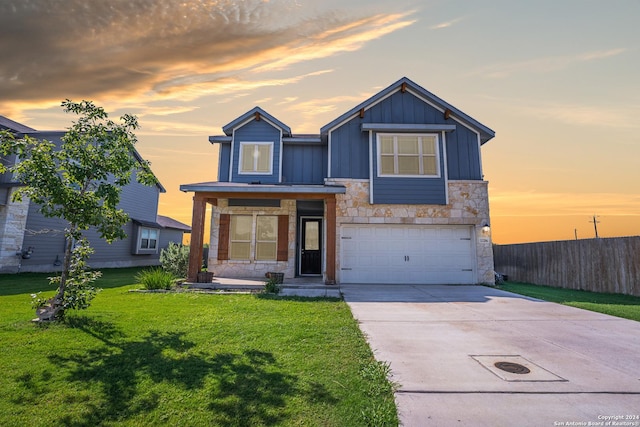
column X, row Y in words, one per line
column 407, row 254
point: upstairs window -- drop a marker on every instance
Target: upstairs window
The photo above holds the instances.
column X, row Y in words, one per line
column 405, row 155
column 256, row 158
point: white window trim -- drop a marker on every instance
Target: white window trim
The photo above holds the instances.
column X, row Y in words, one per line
column 437, row 155
column 139, row 248
column 254, row 172
column 253, row 243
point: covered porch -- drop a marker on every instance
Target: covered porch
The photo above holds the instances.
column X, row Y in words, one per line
column 293, row 209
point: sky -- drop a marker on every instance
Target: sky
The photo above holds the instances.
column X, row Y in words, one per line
column 557, row 80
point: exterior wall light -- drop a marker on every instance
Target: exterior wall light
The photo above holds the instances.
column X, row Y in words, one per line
column 486, row 229
column 25, row 253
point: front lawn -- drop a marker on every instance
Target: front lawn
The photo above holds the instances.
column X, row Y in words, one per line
column 143, row 359
column 619, row 305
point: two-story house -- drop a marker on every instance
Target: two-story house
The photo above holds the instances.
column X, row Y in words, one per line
column 391, row 191
column 29, row 241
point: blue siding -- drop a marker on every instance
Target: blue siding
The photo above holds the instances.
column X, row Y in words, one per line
column 225, row 158
column 415, row 191
column 46, row 235
column 463, row 156
column 349, row 145
column 412, row 191
column 350, row 151
column 257, row 131
column 140, row 201
column 304, row 163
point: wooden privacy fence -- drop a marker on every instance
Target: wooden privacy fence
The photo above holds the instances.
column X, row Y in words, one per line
column 598, row 265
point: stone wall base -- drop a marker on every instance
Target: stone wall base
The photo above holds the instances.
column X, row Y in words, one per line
column 468, row 205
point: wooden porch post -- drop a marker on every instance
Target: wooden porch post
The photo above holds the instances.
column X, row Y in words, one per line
column 197, row 237
column 331, row 239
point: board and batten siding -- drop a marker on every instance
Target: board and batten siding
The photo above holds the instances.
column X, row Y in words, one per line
column 609, row 265
column 350, row 151
column 350, row 145
column 225, row 159
column 257, row 131
column 463, row 155
column 304, row 163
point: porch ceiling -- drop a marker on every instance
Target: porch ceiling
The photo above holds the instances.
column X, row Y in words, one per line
column 230, row 187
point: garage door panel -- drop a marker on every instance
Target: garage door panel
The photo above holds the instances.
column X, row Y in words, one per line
column 407, row 254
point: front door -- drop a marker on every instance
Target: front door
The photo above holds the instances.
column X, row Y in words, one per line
column 310, row 246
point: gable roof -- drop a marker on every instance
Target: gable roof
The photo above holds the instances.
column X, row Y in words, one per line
column 167, row 222
column 256, row 113
column 20, row 128
column 406, row 84
column 14, row 126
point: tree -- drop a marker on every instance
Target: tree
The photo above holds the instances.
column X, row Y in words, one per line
column 80, row 182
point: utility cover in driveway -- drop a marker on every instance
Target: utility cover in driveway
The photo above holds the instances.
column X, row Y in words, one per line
column 535, row 372
column 409, row 254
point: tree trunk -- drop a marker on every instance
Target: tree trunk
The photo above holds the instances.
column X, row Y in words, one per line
column 56, row 302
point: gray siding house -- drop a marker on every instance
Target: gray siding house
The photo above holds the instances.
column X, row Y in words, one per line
column 391, row 191
column 32, row 242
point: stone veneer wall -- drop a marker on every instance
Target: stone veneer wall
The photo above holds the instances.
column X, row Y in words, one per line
column 251, row 269
column 468, row 205
column 13, row 220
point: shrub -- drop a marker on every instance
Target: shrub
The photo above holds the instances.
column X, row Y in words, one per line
column 155, row 278
column 272, row 286
column 175, row 259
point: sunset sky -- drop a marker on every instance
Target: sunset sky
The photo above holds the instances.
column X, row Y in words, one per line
column 558, row 80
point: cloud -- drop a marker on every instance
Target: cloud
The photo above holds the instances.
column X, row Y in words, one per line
column 165, row 111
column 228, row 85
column 163, row 49
column 618, row 117
column 445, row 24
column 533, row 203
column 543, row 65
column 308, row 111
column 172, row 128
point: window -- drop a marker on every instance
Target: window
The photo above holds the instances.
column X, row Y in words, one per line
column 259, row 233
column 255, row 157
column 408, row 155
column 266, row 237
column 148, row 238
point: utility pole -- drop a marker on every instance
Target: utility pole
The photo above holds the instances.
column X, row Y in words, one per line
column 595, row 224
column 575, row 232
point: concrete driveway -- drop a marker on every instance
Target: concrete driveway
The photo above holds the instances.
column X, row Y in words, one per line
column 443, row 342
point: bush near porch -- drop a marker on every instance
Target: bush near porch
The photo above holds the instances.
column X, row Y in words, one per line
column 186, row 359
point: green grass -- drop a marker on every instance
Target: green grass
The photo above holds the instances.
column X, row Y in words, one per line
column 146, row 359
column 619, row 305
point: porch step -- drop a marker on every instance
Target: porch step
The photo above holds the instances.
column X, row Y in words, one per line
column 297, row 289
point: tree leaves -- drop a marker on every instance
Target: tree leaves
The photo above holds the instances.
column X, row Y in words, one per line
column 81, row 178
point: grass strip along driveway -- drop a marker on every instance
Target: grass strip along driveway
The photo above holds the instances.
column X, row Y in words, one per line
column 625, row 306
column 137, row 359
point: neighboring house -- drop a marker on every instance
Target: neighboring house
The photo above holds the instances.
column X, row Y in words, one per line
column 391, row 191
column 30, row 241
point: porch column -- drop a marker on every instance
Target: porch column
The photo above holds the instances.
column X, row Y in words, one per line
column 331, row 239
column 197, row 237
